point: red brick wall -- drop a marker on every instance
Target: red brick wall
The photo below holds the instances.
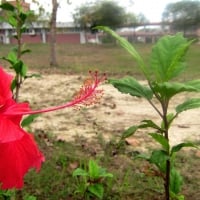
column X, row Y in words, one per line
column 28, row 39
column 72, row 38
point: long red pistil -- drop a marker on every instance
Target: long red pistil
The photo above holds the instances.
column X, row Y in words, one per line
column 87, row 95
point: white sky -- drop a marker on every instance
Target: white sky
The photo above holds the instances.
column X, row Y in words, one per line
column 152, row 9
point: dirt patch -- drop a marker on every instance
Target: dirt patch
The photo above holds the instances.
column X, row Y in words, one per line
column 110, row 118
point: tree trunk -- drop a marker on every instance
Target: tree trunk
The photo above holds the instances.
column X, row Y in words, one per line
column 53, row 60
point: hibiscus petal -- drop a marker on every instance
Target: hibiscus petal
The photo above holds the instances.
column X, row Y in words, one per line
column 5, row 83
column 13, row 108
column 16, row 159
column 9, row 129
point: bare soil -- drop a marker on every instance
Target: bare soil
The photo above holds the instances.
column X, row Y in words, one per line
column 115, row 112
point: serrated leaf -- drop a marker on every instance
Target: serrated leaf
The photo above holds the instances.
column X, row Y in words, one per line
column 129, row 85
column 129, row 132
column 28, row 120
column 161, row 140
column 189, row 104
column 97, row 190
column 169, row 89
column 176, row 181
column 127, row 46
column 167, row 58
column 178, row 147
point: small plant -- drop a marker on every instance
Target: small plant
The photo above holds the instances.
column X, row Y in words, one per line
column 18, row 19
column 166, row 63
column 91, row 180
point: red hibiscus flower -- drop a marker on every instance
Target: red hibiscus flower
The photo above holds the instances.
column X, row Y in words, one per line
column 18, row 150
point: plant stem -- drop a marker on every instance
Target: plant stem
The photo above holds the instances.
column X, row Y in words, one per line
column 19, row 46
column 167, row 180
column 164, row 104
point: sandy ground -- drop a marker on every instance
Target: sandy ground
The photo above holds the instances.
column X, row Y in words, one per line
column 110, row 118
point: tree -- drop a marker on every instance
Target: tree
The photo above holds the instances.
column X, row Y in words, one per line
column 183, row 15
column 107, row 13
column 83, row 15
column 131, row 18
column 53, row 60
column 141, row 18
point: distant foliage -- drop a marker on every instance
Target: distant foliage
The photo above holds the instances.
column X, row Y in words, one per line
column 100, row 13
column 184, row 15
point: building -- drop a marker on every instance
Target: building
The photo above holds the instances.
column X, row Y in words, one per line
column 38, row 32
column 25, row 6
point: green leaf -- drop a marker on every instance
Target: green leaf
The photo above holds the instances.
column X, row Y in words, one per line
column 127, row 46
column 169, row 89
column 129, row 85
column 28, row 120
column 93, row 169
column 194, row 84
column 189, row 104
column 97, row 190
column 11, row 58
column 25, row 51
column 104, row 174
column 150, row 124
column 161, row 140
column 30, row 197
column 22, row 17
column 178, row 147
column 17, row 66
column 167, row 58
column 159, row 158
column 143, row 156
column 79, row 172
column 129, row 132
column 12, row 21
column 7, row 6
column 13, row 84
column 23, row 71
column 176, row 196
column 176, row 181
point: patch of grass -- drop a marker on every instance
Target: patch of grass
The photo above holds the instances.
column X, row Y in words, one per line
column 132, row 177
column 108, row 58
